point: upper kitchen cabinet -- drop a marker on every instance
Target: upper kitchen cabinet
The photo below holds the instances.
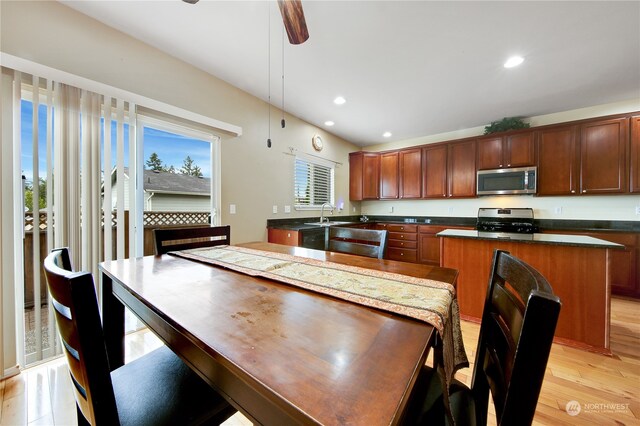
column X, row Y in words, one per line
column 590, row 158
column 434, row 172
column 410, row 173
column 635, row 154
column 558, row 161
column 389, row 175
column 461, row 169
column 364, row 176
column 449, row 170
column 497, row 152
column 603, row 156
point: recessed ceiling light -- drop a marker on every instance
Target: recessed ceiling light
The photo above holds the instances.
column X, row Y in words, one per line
column 339, row 100
column 329, row 123
column 386, row 134
column 513, row 61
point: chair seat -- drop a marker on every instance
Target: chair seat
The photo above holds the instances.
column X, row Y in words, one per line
column 426, row 406
column 160, row 389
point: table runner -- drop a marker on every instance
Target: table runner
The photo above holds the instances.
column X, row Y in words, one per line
column 431, row 301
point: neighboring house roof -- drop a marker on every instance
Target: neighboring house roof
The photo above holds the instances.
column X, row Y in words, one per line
column 165, row 182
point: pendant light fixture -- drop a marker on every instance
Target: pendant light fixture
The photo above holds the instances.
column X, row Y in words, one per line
column 282, row 123
column 269, row 74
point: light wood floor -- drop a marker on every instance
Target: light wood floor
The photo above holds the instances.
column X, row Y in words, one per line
column 607, row 388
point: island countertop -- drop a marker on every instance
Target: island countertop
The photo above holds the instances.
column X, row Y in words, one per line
column 554, row 239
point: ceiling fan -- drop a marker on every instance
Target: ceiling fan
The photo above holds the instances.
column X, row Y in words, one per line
column 292, row 17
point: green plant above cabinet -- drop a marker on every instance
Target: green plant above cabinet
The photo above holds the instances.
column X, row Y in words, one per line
column 515, row 150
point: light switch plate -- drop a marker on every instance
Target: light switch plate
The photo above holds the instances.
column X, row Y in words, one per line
column 275, row 209
column 287, row 209
column 232, row 209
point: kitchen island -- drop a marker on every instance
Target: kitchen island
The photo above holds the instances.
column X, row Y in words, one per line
column 577, row 267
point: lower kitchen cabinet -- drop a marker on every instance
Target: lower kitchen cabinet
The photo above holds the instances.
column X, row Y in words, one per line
column 283, row 236
column 429, row 244
column 625, row 279
column 402, row 242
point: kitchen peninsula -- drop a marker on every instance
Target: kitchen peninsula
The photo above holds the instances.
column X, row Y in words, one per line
column 577, row 267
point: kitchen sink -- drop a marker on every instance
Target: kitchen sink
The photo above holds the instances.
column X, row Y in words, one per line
column 330, row 223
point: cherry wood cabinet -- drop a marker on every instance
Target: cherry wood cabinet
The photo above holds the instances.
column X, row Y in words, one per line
column 402, row 242
column 585, row 157
column 461, row 169
column 634, row 171
column 389, row 175
column 497, row 152
column 410, row 173
column 558, row 161
column 603, row 156
column 283, row 236
column 625, row 277
column 364, row 176
column 434, row 172
column 449, row 170
column 429, row 243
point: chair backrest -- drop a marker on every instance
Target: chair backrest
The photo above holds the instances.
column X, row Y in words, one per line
column 363, row 242
column 76, row 310
column 171, row 239
column 516, row 332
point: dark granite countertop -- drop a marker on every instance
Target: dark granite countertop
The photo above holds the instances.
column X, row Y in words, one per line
column 300, row 224
column 553, row 239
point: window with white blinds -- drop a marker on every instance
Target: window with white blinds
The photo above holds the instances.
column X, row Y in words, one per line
column 313, row 183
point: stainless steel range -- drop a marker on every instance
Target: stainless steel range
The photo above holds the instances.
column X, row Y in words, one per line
column 506, row 223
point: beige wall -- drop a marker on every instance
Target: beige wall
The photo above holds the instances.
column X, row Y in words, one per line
column 254, row 178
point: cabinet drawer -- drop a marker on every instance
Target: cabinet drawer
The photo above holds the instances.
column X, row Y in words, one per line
column 395, row 227
column 403, row 244
column 405, row 255
column 404, row 236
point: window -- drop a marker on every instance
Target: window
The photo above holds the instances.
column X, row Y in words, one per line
column 313, row 183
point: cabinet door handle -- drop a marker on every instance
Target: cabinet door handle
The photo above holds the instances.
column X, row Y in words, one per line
column 573, row 191
column 584, row 190
column 499, row 165
column 401, row 254
column 508, row 165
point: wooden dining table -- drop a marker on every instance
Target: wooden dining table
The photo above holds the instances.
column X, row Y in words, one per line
column 279, row 354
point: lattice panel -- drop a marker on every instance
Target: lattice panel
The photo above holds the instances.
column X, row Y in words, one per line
column 28, row 221
column 175, row 218
column 155, row 219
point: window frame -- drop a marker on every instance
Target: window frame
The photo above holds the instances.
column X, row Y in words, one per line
column 312, row 160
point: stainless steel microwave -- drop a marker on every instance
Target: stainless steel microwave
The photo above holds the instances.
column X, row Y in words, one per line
column 520, row 180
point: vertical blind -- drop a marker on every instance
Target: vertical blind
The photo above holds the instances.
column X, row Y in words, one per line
column 313, row 183
column 70, row 156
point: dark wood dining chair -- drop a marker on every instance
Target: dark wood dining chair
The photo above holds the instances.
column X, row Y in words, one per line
column 155, row 389
column 516, row 332
column 172, row 239
column 363, row 242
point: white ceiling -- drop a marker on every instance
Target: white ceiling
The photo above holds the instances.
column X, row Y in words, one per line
column 412, row 68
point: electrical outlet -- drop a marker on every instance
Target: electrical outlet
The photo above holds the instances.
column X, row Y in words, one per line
column 557, row 210
column 637, row 209
column 391, row 209
column 232, row 209
column 450, row 210
column 287, row 209
column 275, row 209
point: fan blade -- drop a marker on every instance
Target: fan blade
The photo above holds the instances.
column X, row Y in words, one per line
column 294, row 22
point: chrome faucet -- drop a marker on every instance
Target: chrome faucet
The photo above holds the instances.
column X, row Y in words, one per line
column 322, row 211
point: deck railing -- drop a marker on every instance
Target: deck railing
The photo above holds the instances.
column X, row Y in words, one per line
column 151, row 220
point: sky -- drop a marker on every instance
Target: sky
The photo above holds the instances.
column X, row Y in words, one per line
column 171, row 148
